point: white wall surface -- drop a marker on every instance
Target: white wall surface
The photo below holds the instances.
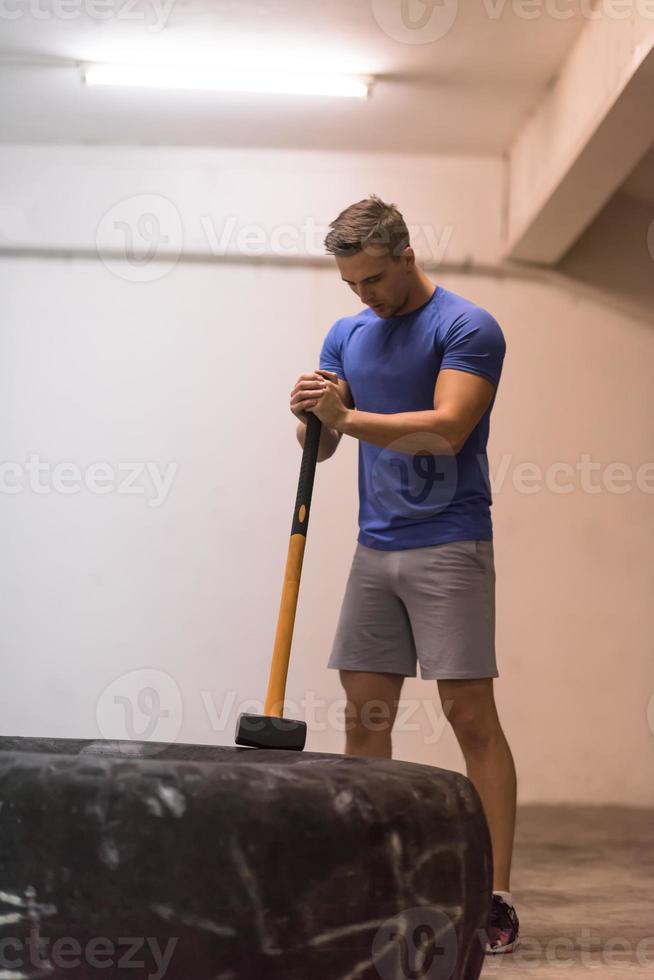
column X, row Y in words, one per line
column 213, row 202
column 194, row 369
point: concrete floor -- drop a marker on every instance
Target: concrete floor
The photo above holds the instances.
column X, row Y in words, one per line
column 583, row 886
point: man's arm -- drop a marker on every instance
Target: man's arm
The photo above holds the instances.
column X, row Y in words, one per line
column 460, row 400
column 329, row 438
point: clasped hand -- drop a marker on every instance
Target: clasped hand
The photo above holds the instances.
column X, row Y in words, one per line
column 318, row 393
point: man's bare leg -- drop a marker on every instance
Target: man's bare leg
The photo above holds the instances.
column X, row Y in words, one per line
column 469, row 706
column 372, row 700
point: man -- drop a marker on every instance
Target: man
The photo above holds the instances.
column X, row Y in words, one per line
column 413, row 377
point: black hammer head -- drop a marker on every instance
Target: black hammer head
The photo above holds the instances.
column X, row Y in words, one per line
column 267, row 732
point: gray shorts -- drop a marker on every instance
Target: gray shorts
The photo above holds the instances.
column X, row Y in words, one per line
column 433, row 605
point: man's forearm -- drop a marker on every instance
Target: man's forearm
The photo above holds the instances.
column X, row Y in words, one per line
column 410, row 427
column 328, row 440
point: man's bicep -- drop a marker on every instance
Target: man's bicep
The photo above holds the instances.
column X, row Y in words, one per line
column 462, row 398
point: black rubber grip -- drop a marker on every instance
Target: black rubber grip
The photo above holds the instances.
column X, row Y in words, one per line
column 307, row 473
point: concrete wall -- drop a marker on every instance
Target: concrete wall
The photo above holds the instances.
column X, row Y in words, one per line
column 152, row 613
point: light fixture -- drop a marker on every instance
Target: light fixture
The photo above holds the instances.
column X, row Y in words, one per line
column 220, row 80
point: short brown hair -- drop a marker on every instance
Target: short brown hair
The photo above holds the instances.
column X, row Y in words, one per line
column 368, row 226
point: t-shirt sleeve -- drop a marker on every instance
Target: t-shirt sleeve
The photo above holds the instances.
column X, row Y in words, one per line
column 475, row 343
column 331, row 353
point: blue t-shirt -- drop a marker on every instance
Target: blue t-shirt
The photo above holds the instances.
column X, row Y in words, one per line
column 411, row 500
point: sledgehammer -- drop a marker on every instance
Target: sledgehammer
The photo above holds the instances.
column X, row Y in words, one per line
column 271, row 730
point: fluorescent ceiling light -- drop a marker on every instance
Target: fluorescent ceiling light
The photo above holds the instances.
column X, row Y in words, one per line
column 216, row 79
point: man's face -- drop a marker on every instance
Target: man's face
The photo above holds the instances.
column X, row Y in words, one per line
column 382, row 283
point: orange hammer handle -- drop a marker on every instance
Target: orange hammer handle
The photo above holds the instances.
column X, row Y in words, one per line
column 291, row 587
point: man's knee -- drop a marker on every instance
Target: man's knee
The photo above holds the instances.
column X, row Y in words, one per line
column 369, row 719
column 475, row 730
column 372, row 701
column 469, row 706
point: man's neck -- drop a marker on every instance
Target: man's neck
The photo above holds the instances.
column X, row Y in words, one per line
column 419, row 295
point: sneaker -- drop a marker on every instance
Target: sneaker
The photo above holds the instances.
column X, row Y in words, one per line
column 503, row 931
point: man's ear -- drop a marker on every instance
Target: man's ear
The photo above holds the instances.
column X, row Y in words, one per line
column 409, row 258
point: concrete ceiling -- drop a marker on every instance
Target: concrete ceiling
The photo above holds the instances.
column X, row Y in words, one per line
column 590, row 137
column 463, row 82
